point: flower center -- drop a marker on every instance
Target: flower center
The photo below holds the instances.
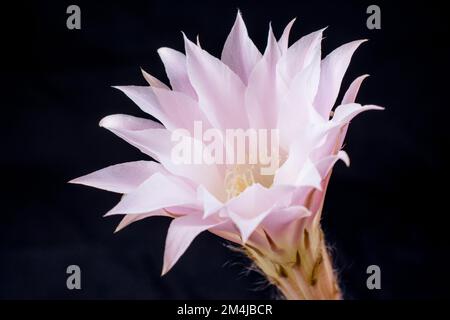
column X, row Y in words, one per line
column 237, row 179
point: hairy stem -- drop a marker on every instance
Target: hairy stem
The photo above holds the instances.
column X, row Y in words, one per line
column 304, row 272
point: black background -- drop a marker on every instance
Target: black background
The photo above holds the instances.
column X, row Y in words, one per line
column 55, row 87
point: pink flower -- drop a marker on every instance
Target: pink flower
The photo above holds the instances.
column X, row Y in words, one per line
column 287, row 88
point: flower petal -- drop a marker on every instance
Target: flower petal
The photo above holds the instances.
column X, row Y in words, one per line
column 326, row 164
column 176, row 70
column 352, row 91
column 300, row 55
column 299, row 153
column 182, row 231
column 239, row 52
column 121, row 178
column 261, row 99
column 130, row 218
column 146, row 100
column 211, row 204
column 251, row 206
column 283, row 43
column 332, row 72
column 220, row 91
column 157, row 192
column 152, row 81
column 183, row 110
column 346, row 112
column 148, row 136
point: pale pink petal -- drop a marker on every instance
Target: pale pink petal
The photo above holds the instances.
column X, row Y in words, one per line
column 300, row 55
column 278, row 218
column 299, row 152
column 130, row 218
column 148, row 136
column 283, row 43
column 239, row 52
column 350, row 97
column 296, row 111
column 220, row 91
column 181, row 232
column 345, row 113
column 324, row 165
column 183, row 109
column 121, row 178
column 304, row 85
column 261, row 99
column 176, row 70
column 308, row 176
column 152, row 81
column 145, row 99
column 158, row 144
column 280, row 225
column 333, row 69
column 250, row 207
column 352, row 91
column 211, row 204
column 157, row 192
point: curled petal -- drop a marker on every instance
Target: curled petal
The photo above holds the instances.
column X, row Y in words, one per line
column 352, row 91
column 283, row 43
column 345, row 113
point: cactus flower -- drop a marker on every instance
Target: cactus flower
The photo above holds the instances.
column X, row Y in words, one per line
column 273, row 216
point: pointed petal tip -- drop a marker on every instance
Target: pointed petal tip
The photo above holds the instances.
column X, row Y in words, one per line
column 164, row 270
column 73, row 181
column 375, row 107
column 110, row 213
column 344, row 157
column 162, row 49
column 103, row 123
